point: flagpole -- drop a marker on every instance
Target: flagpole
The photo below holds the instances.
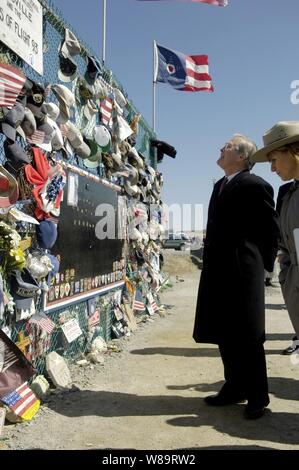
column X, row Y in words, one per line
column 104, row 34
column 154, row 84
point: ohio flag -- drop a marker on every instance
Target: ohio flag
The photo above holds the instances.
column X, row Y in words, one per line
column 219, row 3
column 182, row 72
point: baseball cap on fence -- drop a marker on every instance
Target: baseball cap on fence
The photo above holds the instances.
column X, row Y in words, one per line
column 134, row 158
column 117, row 160
column 65, row 97
column 12, row 119
column 131, row 189
column 15, row 153
column 119, row 97
column 93, row 69
column 52, row 110
column 67, row 71
column 90, row 110
column 95, row 154
column 28, row 125
column 70, row 47
column 133, row 173
column 75, row 138
column 46, row 234
column 36, row 95
column 143, row 180
column 23, row 288
column 102, row 137
column 9, row 190
column 43, row 140
column 86, row 90
column 57, row 139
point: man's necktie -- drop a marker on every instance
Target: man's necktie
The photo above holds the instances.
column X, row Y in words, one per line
column 295, row 185
column 224, row 181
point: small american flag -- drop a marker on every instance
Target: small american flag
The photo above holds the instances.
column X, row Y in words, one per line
column 138, row 303
column 36, row 138
column 44, row 322
column 11, row 83
column 152, row 302
column 22, row 402
column 106, row 107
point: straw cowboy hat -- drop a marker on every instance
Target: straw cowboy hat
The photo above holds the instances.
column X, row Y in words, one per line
column 282, row 133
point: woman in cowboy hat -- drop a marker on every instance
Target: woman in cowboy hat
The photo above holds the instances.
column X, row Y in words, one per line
column 281, row 149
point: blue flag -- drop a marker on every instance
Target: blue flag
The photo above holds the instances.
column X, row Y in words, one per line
column 182, row 72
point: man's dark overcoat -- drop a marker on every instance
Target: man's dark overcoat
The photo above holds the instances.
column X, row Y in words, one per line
column 241, row 241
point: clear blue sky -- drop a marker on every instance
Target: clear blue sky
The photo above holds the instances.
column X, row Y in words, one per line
column 253, row 49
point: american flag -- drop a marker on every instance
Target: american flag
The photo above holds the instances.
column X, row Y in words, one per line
column 106, row 107
column 152, row 302
column 138, row 303
column 44, row 322
column 22, row 402
column 37, row 138
column 11, row 83
column 219, row 3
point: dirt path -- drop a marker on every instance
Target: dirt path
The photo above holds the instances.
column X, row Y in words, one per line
column 150, row 396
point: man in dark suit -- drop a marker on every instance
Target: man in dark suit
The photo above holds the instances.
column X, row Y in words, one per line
column 241, row 241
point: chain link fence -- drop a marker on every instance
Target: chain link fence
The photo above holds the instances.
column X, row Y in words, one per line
column 54, row 27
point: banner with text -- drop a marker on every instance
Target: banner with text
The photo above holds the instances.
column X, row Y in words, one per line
column 21, row 29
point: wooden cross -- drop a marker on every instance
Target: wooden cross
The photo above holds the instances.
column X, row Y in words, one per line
column 22, row 343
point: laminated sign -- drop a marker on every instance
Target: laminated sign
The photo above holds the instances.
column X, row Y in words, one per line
column 71, row 330
column 21, row 29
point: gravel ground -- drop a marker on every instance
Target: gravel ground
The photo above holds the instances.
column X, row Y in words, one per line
column 150, row 394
